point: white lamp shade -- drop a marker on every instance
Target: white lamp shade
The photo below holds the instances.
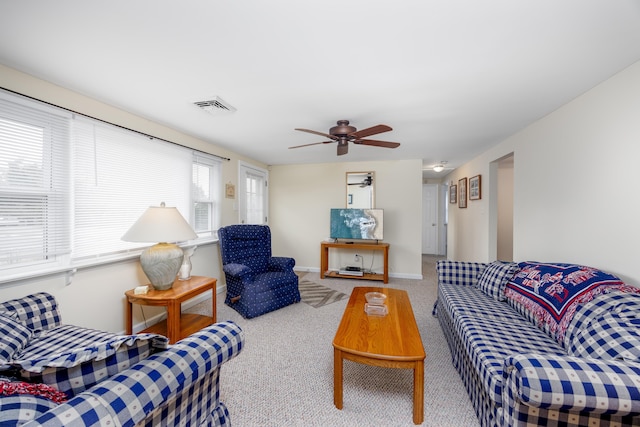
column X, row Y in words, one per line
column 160, row 224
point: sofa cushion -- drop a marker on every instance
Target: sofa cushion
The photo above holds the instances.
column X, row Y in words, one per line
column 73, row 358
column 548, row 294
column 459, row 272
column 494, row 278
column 618, row 302
column 39, row 311
column 14, row 336
column 611, row 336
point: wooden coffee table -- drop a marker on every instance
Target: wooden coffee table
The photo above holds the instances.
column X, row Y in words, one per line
column 391, row 341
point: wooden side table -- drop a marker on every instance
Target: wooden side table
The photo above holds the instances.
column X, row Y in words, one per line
column 178, row 325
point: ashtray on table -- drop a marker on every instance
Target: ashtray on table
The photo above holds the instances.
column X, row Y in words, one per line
column 375, row 298
column 375, row 310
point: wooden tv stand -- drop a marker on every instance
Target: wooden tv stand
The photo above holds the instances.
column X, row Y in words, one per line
column 324, row 259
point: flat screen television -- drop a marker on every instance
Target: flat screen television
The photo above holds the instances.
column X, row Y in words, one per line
column 361, row 224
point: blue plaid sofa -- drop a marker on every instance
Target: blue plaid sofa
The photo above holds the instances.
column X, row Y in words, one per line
column 542, row 344
column 53, row 374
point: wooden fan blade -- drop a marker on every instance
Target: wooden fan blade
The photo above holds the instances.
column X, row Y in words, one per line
column 313, row 143
column 343, row 148
column 375, row 143
column 373, row 130
column 315, row 132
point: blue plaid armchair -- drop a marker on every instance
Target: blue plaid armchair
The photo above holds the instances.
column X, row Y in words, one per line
column 257, row 282
column 52, row 374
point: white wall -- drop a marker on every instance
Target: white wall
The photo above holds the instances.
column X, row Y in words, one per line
column 575, row 178
column 301, row 197
column 95, row 297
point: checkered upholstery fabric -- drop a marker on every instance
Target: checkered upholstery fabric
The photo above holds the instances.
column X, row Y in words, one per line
column 459, row 272
column 576, row 384
column 517, row 413
column 494, row 278
column 18, row 409
column 73, row 358
column 38, row 312
column 257, row 283
column 488, row 335
column 609, row 337
column 517, row 375
column 617, row 302
column 179, row 386
column 14, row 336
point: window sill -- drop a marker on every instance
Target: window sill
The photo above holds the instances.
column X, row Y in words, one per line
column 70, row 270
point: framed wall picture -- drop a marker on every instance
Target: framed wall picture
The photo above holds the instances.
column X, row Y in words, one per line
column 230, row 191
column 462, row 189
column 475, row 192
column 453, row 194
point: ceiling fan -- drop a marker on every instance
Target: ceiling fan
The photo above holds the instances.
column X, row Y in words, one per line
column 366, row 182
column 343, row 134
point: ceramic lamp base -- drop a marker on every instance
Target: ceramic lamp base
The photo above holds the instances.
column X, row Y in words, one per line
column 161, row 264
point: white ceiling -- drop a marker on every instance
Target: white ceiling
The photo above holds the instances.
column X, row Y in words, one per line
column 451, row 77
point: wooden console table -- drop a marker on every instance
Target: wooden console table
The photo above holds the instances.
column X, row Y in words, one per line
column 178, row 325
column 324, row 259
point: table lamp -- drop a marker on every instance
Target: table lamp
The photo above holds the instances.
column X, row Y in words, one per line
column 161, row 262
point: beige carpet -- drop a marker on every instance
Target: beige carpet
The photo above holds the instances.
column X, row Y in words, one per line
column 284, row 375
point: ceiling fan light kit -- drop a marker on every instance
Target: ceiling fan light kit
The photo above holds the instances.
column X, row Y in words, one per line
column 343, row 133
column 439, row 167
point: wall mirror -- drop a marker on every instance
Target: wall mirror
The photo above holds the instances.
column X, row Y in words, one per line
column 360, row 190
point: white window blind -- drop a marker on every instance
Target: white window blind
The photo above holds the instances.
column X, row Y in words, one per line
column 118, row 174
column 34, row 185
column 71, row 186
column 205, row 194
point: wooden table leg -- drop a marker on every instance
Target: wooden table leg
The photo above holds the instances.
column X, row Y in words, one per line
column 173, row 321
column 385, row 265
column 213, row 302
column 324, row 260
column 418, row 392
column 129, row 318
column 337, row 378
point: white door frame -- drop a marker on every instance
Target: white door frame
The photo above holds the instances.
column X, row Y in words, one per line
column 243, row 169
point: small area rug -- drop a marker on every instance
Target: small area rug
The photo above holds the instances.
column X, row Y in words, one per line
column 318, row 295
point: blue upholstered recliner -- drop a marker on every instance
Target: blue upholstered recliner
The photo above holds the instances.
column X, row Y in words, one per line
column 257, row 283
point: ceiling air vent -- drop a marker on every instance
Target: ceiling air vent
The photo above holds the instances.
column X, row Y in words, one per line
column 215, row 105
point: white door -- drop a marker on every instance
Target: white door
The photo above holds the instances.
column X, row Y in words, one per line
column 253, row 194
column 430, row 219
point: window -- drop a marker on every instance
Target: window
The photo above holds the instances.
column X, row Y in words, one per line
column 205, row 195
column 34, row 189
column 71, row 186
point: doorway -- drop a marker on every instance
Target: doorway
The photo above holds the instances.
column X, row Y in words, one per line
column 430, row 219
column 252, row 194
column 504, row 171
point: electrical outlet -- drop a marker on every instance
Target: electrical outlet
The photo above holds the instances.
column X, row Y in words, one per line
column 356, row 258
